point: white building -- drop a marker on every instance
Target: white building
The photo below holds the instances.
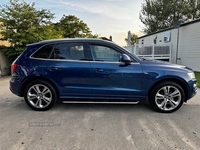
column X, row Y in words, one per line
column 179, row 45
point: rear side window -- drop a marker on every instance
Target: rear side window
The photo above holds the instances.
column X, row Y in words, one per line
column 69, row 51
column 43, row 52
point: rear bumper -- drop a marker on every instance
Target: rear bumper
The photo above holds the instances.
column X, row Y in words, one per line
column 15, row 87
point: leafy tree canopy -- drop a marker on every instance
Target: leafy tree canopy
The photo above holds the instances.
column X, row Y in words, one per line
column 21, row 23
column 133, row 39
column 73, row 27
column 160, row 14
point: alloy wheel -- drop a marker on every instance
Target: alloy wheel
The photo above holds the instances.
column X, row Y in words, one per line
column 39, row 96
column 168, row 98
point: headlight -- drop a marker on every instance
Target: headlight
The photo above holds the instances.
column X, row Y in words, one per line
column 191, row 75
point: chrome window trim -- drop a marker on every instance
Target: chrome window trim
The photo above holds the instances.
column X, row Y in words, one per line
column 82, row 61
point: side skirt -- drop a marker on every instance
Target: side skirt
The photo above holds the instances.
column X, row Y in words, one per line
column 100, row 102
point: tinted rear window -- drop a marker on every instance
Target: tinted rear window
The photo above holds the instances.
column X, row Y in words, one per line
column 69, row 51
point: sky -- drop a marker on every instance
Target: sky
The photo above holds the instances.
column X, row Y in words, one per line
column 103, row 17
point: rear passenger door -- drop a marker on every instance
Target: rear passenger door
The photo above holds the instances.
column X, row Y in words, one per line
column 69, row 69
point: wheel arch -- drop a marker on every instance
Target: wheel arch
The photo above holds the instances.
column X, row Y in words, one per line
column 27, row 81
column 175, row 80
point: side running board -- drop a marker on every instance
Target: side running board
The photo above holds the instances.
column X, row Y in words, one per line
column 97, row 102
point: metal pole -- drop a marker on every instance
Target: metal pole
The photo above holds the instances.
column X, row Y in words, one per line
column 177, row 25
column 177, row 45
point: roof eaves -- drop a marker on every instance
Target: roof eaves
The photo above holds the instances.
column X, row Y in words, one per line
column 184, row 24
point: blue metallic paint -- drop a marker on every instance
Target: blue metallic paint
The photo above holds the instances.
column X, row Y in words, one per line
column 116, row 79
column 73, row 78
column 97, row 79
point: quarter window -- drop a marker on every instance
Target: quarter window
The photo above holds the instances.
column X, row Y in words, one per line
column 43, row 52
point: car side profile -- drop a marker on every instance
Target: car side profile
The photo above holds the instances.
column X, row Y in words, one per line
column 97, row 71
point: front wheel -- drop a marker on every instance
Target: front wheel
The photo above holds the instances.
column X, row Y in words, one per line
column 167, row 97
column 40, row 95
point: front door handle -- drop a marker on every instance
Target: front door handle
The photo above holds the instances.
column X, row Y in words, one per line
column 98, row 70
column 101, row 71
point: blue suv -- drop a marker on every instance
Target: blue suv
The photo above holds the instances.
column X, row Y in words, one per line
column 98, row 71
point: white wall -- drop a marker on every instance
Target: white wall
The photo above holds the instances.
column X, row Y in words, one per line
column 174, row 35
column 188, row 49
column 149, row 39
column 4, row 64
column 160, row 41
column 189, row 46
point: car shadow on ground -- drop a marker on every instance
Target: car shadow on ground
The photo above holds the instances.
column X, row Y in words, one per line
column 141, row 106
column 59, row 106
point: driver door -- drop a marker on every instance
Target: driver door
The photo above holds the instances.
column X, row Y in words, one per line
column 112, row 78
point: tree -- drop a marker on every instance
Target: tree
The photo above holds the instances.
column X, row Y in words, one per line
column 22, row 23
column 160, row 14
column 73, row 27
column 133, row 39
column 194, row 9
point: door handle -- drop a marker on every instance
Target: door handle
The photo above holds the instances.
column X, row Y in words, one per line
column 101, row 71
column 53, row 68
column 98, row 70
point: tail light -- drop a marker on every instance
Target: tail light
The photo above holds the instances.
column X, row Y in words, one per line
column 13, row 66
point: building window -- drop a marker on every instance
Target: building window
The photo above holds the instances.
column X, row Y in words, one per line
column 167, row 36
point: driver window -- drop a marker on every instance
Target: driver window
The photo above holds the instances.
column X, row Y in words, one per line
column 104, row 53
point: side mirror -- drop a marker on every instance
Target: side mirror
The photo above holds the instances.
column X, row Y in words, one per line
column 126, row 59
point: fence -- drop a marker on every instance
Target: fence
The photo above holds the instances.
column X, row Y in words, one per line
column 161, row 52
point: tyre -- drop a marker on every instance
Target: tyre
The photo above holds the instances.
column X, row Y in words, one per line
column 167, row 97
column 40, row 95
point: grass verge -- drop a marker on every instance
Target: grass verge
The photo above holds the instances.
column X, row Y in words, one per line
column 197, row 75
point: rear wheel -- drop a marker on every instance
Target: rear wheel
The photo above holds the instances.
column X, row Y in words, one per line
column 167, row 97
column 40, row 95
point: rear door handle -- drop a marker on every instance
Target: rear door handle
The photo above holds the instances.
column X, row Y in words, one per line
column 53, row 68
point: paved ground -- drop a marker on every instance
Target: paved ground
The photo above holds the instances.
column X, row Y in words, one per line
column 96, row 127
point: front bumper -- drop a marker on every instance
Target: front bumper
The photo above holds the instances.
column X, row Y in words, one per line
column 192, row 90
